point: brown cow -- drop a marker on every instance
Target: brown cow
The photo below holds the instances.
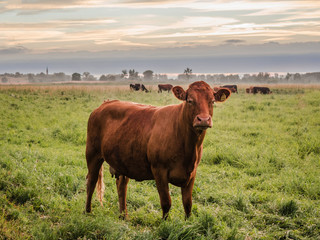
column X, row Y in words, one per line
column 262, row 90
column 255, row 90
column 249, row 90
column 164, row 87
column 232, row 88
column 146, row 142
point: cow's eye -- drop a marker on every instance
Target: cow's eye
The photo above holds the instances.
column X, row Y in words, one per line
column 190, row 101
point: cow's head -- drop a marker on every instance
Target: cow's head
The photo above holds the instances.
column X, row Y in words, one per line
column 199, row 99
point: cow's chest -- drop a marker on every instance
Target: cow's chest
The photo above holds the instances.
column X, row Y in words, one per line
column 181, row 172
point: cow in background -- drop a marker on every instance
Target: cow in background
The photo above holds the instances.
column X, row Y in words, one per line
column 144, row 142
column 249, row 90
column 262, row 90
column 164, row 87
column 255, row 90
column 232, row 88
column 138, row 86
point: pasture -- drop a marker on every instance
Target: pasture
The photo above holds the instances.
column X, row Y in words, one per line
column 259, row 177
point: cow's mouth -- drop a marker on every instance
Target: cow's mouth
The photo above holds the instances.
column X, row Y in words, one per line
column 201, row 127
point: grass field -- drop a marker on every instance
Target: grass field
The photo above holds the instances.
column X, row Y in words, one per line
column 259, row 177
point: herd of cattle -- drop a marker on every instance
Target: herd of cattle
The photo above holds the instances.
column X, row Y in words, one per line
column 232, row 88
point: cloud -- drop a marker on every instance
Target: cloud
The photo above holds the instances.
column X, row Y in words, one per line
column 200, row 22
column 14, row 50
column 131, row 24
column 40, row 5
column 285, row 8
column 302, row 14
column 260, row 7
column 232, row 41
column 36, row 6
column 150, row 1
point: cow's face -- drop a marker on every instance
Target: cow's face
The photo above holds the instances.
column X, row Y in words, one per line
column 199, row 100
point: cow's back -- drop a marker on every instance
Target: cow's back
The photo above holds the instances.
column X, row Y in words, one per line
column 121, row 131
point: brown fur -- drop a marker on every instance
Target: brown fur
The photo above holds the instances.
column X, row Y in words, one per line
column 255, row 90
column 145, row 142
column 164, row 87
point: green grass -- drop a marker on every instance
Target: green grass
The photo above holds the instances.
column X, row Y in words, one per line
column 258, row 179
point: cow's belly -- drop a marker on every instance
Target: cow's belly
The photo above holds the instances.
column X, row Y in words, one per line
column 128, row 163
column 132, row 168
column 124, row 149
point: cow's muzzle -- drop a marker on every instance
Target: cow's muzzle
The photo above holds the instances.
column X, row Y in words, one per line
column 202, row 122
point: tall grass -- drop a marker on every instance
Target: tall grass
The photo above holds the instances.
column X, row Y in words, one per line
column 258, row 179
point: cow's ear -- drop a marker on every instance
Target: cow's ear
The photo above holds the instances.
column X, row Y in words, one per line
column 179, row 93
column 222, row 94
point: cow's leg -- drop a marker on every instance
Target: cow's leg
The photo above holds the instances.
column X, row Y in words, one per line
column 122, row 183
column 186, row 193
column 160, row 175
column 94, row 164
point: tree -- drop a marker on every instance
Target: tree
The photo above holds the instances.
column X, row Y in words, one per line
column 76, row 77
column 30, row 77
column 103, row 78
column 86, row 75
column 288, row 77
column 61, row 76
column 148, row 75
column 17, row 75
column 111, row 77
column 4, row 79
column 188, row 72
column 160, row 77
column 263, row 77
column 297, row 77
column 91, row 78
column 124, row 73
column 41, row 77
column 133, row 75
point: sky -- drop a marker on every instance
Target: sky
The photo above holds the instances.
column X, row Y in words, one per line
column 217, row 36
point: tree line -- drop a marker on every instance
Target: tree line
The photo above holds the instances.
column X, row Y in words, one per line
column 149, row 75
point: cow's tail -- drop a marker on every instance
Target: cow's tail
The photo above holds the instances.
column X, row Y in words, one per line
column 100, row 186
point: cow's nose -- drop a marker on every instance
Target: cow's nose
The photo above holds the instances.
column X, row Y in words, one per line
column 203, row 122
column 203, row 119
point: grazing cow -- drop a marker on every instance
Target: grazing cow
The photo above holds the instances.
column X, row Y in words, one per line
column 135, row 87
column 232, row 88
column 138, row 86
column 144, row 142
column 143, row 88
column 262, row 90
column 164, row 87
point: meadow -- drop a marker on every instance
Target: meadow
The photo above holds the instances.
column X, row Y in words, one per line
column 259, row 177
